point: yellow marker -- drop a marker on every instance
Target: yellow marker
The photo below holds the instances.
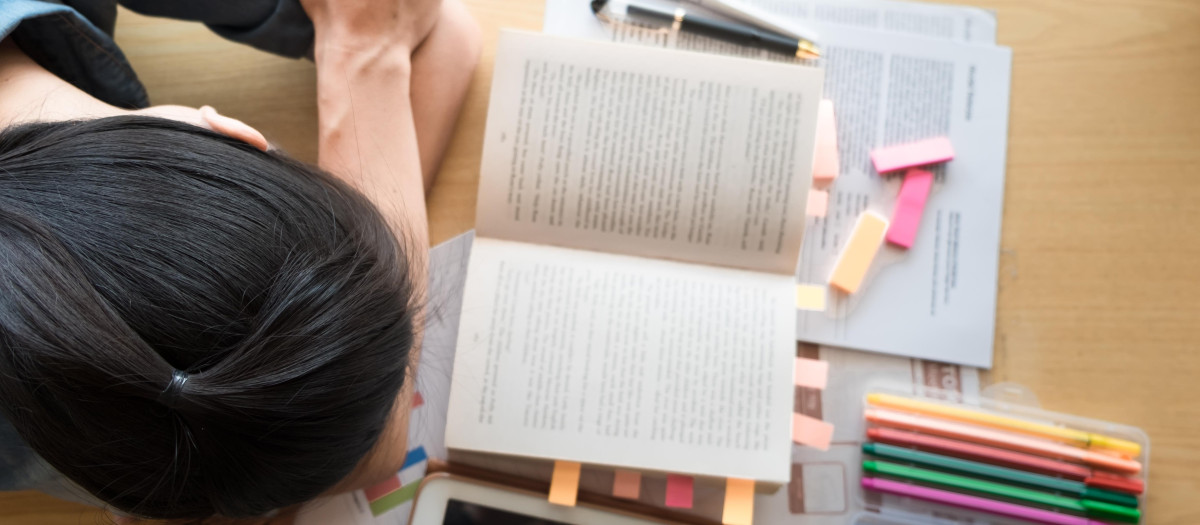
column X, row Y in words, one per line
column 739, row 502
column 1078, row 438
column 564, row 483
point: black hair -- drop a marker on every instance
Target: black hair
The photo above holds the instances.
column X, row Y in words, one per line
column 132, row 247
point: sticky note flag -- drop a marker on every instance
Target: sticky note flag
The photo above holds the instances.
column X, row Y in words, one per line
column 910, row 205
column 627, row 484
column 739, row 502
column 811, row 432
column 810, row 297
column 854, row 261
column 913, row 154
column 417, row 400
column 811, row 373
column 825, row 157
column 818, row 203
column 679, row 491
column 564, row 483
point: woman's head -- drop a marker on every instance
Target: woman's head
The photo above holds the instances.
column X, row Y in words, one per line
column 132, row 247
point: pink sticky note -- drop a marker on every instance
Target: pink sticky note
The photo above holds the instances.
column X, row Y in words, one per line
column 818, row 203
column 626, row 484
column 910, row 205
column 811, row 373
column 383, row 489
column 679, row 491
column 920, row 153
column 811, row 431
column 825, row 156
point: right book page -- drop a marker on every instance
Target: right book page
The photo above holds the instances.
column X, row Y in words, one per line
column 648, row 152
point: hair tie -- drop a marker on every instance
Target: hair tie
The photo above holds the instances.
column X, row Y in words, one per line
column 170, row 395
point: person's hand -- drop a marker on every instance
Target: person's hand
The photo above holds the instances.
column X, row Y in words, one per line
column 366, row 25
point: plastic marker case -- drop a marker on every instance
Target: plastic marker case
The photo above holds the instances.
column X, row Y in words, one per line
column 1074, row 480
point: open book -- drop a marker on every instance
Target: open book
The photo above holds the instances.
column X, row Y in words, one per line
column 630, row 293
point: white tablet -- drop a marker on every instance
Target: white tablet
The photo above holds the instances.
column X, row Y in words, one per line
column 450, row 500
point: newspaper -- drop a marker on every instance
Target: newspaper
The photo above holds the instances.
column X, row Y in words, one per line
column 936, row 300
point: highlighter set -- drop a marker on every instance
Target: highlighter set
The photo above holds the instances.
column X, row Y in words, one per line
column 999, row 463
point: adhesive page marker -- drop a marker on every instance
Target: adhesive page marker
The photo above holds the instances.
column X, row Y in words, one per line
column 818, row 203
column 679, row 491
column 739, row 502
column 564, row 483
column 912, row 154
column 627, row 484
column 854, row 261
column 810, row 297
column 811, row 373
column 825, row 156
column 811, row 431
column 910, row 205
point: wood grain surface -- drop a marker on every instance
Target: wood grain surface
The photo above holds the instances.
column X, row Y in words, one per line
column 1099, row 308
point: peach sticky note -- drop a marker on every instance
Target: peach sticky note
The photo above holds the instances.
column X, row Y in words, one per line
column 811, row 373
column 811, row 432
column 859, row 251
column 818, row 203
column 564, row 483
column 810, row 297
column 739, row 502
column 825, row 156
column 627, row 484
column 910, row 205
column 920, row 153
column 679, row 491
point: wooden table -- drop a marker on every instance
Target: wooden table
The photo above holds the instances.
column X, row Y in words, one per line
column 1099, row 309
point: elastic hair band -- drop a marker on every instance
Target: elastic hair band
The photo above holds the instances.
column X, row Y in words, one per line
column 170, row 395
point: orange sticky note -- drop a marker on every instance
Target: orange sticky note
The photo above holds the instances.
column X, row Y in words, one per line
column 825, row 156
column 818, row 203
column 810, row 297
column 679, row 491
column 811, row 432
column 854, row 261
column 739, row 502
column 564, row 484
column 626, row 484
column 811, row 373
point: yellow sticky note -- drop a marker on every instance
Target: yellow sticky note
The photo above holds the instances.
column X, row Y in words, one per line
column 818, row 203
column 564, row 484
column 811, row 431
column 739, row 502
column 810, row 297
column 855, row 259
column 811, row 373
column 626, row 484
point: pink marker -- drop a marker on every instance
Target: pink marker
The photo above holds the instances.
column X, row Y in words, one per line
column 955, row 499
column 913, row 154
column 910, row 205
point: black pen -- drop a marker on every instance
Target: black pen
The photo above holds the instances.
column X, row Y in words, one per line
column 681, row 19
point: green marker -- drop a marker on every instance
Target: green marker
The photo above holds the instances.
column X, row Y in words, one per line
column 983, row 470
column 1089, row 508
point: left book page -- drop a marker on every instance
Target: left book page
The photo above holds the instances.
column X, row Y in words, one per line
column 623, row 361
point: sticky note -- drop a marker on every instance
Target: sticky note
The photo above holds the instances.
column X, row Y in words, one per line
column 920, row 153
column 564, row 483
column 825, row 156
column 811, row 432
column 383, row 489
column 818, row 203
column 854, row 261
column 910, row 205
column 679, row 491
column 739, row 502
column 627, row 484
column 810, row 297
column 417, row 400
column 811, row 373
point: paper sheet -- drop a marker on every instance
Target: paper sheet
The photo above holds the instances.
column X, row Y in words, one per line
column 937, row 300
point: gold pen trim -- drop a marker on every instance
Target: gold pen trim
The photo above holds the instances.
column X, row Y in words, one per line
column 807, row 50
column 678, row 23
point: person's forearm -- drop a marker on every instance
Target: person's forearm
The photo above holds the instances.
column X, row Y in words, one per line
column 367, row 136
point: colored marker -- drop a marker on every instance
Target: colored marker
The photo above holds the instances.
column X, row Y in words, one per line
column 1001, row 439
column 955, row 499
column 1008, row 475
column 1006, row 458
column 1071, row 436
column 1093, row 509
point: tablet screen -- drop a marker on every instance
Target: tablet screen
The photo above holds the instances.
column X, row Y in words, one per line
column 464, row 513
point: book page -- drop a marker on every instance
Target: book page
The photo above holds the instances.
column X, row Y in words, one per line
column 624, row 361
column 648, row 152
